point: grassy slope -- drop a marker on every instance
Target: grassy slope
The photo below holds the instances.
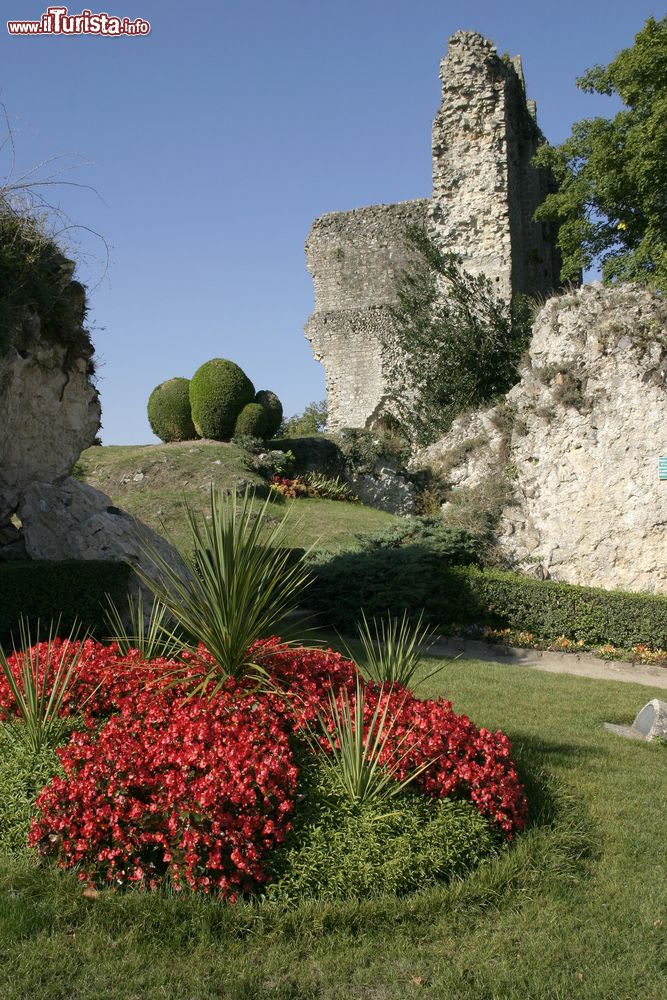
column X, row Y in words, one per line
column 169, row 476
column 576, row 910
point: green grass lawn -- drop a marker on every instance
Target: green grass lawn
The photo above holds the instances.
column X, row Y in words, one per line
column 576, row 909
column 155, row 483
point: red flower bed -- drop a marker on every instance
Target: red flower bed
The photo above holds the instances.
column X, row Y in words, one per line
column 203, row 789
column 199, row 789
column 467, row 762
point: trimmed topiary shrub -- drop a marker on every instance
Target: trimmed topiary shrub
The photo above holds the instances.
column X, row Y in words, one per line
column 219, row 390
column 273, row 408
column 169, row 411
column 252, row 421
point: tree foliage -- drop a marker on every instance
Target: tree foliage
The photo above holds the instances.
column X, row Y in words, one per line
column 455, row 344
column 611, row 203
column 313, row 420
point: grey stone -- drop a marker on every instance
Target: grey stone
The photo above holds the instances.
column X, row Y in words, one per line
column 71, row 520
column 586, row 503
column 650, row 723
column 485, row 191
column 385, row 489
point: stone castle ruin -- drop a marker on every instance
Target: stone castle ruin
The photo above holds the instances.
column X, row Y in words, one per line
column 485, row 191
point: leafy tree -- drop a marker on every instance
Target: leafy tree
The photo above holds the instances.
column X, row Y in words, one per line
column 455, row 344
column 612, row 173
column 313, row 420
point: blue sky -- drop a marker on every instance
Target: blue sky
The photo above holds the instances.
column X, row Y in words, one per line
column 214, row 142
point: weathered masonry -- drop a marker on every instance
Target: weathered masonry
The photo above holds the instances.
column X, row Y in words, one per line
column 485, row 191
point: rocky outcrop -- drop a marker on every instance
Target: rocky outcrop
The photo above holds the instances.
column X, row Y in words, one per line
column 71, row 520
column 50, row 412
column 577, row 442
column 385, row 488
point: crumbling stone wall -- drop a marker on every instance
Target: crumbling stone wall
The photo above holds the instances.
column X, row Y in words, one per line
column 577, row 442
column 355, row 259
column 485, row 191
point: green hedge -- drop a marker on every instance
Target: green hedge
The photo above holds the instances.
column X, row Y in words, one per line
column 47, row 590
column 549, row 609
column 416, row 579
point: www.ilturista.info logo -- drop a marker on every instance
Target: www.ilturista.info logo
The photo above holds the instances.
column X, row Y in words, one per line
column 58, row 21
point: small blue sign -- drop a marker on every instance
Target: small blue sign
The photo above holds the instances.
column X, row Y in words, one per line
column 662, row 467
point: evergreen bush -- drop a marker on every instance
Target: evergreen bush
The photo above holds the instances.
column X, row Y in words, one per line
column 340, row 851
column 169, row 411
column 23, row 774
column 252, row 421
column 72, row 591
column 219, row 390
column 273, row 408
column 416, row 578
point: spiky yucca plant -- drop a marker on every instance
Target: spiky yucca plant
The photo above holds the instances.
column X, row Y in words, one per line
column 150, row 633
column 393, row 647
column 237, row 585
column 356, row 749
column 38, row 683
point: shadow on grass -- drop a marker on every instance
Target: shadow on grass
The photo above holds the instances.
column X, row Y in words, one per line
column 556, row 849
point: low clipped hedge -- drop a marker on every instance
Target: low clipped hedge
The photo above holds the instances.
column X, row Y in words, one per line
column 549, row 609
column 452, row 597
column 72, row 590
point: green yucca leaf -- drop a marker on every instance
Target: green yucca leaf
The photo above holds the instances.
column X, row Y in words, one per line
column 151, row 634
column 393, row 647
column 356, row 750
column 39, row 684
column 236, row 587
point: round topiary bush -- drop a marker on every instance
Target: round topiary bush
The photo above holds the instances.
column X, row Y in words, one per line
column 219, row 390
column 253, row 421
column 169, row 411
column 274, row 410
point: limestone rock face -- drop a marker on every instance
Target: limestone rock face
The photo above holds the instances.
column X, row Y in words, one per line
column 71, row 520
column 579, row 440
column 385, row 489
column 50, row 413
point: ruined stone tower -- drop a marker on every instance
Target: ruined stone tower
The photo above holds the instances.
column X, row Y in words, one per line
column 485, row 191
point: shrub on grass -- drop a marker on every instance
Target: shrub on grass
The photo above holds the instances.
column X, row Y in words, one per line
column 549, row 609
column 252, row 421
column 23, row 774
column 273, row 408
column 219, row 390
column 337, row 851
column 416, row 579
column 70, row 591
column 169, row 412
